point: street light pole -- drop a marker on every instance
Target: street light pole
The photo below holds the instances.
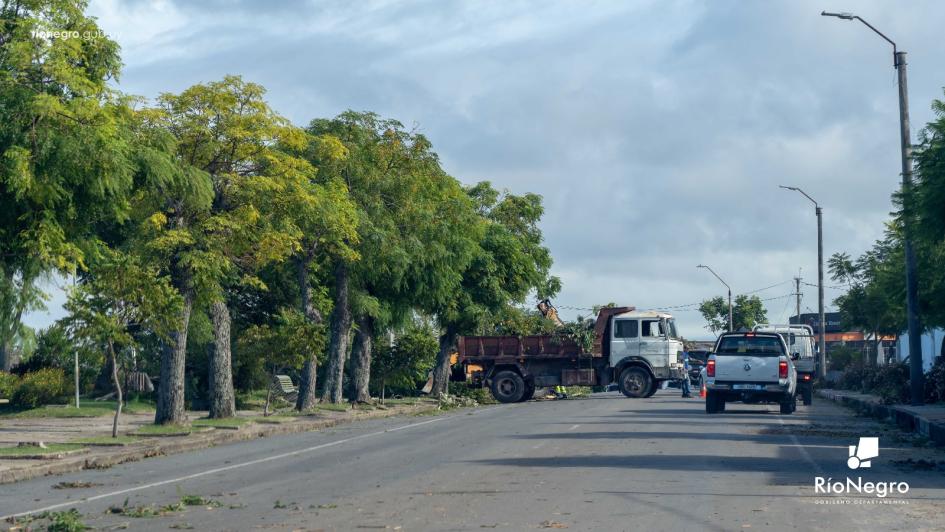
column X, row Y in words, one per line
column 730, row 323
column 822, row 336
column 916, row 377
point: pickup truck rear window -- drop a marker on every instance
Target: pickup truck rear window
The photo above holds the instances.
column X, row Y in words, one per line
column 750, row 345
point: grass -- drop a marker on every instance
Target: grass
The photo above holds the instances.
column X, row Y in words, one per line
column 31, row 450
column 163, row 430
column 402, row 401
column 273, row 419
column 120, row 441
column 68, row 521
column 87, row 409
column 222, row 423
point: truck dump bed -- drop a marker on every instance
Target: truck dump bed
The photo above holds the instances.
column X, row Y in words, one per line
column 497, row 347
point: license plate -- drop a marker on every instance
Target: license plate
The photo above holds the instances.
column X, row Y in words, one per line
column 748, row 387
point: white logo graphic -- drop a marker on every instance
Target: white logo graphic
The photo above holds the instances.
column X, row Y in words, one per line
column 860, row 455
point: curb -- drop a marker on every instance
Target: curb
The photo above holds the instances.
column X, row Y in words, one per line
column 902, row 417
column 140, row 451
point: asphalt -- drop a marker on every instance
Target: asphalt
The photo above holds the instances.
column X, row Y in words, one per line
column 600, row 463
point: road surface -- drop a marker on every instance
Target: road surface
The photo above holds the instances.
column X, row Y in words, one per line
column 600, row 463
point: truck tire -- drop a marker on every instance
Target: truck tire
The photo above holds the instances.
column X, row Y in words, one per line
column 789, row 406
column 807, row 395
column 711, row 403
column 529, row 393
column 653, row 388
column 635, row 382
column 508, row 387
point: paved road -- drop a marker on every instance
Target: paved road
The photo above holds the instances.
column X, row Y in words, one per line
column 602, row 463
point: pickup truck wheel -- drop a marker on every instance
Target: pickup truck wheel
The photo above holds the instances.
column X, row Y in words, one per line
column 711, row 403
column 508, row 387
column 807, row 395
column 635, row 382
column 789, row 406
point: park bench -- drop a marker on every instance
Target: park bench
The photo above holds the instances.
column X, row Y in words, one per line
column 284, row 389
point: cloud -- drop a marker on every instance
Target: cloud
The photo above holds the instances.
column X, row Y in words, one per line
column 657, row 132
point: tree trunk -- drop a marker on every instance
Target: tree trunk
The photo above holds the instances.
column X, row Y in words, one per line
column 361, row 361
column 7, row 355
column 306, row 399
column 170, row 404
column 338, row 347
column 118, row 397
column 441, row 373
column 222, row 400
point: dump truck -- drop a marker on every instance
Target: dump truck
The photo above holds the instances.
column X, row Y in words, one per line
column 636, row 349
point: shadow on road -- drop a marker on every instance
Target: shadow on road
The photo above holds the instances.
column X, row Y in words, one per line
column 622, row 435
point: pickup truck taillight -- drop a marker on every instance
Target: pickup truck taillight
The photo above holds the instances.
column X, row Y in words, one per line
column 710, row 368
column 782, row 369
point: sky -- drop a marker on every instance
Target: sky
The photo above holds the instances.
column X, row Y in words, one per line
column 656, row 131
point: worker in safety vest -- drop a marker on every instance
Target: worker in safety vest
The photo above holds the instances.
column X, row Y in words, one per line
column 560, row 392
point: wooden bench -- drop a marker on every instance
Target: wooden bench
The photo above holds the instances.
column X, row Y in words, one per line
column 283, row 388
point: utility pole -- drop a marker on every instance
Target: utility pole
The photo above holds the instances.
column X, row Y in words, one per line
column 822, row 338
column 916, row 376
column 797, row 292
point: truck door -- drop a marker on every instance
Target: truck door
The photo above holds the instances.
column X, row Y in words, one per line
column 626, row 339
column 652, row 339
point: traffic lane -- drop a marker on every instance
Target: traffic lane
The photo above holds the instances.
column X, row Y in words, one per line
column 575, row 478
column 441, row 478
column 263, row 461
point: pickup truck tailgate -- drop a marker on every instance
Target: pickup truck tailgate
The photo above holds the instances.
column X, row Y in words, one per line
column 746, row 368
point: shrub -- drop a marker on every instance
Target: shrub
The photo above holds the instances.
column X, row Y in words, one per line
column 890, row 382
column 852, row 377
column 935, row 382
column 8, row 383
column 841, row 357
column 480, row 395
column 39, row 388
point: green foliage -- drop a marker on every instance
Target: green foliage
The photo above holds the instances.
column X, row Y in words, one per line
column 890, row 382
column 8, row 383
column 935, row 382
column 579, row 332
column 747, row 311
column 66, row 521
column 286, row 342
column 477, row 393
column 842, row 356
column 39, row 388
column 407, row 360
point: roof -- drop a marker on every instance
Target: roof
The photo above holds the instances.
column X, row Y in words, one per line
column 644, row 314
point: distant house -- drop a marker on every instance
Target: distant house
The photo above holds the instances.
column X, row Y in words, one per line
column 933, row 343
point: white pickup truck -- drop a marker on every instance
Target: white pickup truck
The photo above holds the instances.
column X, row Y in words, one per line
column 752, row 367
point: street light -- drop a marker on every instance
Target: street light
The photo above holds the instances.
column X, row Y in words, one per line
column 730, row 325
column 822, row 340
column 912, row 282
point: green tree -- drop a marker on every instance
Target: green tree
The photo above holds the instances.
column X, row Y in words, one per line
column 119, row 296
column 406, row 361
column 65, row 159
column 747, row 311
column 225, row 135
column 508, row 263
column 410, row 218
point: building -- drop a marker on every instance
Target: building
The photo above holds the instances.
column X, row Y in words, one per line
column 835, row 335
column 933, row 344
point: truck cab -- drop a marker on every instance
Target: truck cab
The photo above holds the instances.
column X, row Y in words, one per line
column 645, row 350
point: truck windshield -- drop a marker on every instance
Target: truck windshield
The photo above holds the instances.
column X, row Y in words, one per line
column 750, row 345
column 672, row 328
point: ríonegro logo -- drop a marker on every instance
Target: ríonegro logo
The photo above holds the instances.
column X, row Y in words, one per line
column 860, row 457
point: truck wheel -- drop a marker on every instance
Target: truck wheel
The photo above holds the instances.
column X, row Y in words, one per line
column 789, row 406
column 721, row 404
column 635, row 382
column 529, row 393
column 807, row 395
column 711, row 403
column 508, row 387
column 653, row 388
